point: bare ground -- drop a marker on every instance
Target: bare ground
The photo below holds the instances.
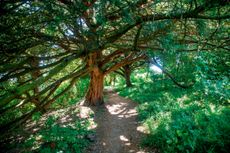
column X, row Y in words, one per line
column 117, row 129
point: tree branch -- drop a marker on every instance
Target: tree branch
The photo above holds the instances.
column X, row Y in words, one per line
column 169, row 75
column 123, row 63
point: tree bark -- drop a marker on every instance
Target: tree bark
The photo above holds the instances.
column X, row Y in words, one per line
column 94, row 96
column 127, row 75
column 35, row 74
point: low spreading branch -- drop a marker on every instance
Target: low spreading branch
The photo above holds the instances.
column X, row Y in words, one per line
column 153, row 61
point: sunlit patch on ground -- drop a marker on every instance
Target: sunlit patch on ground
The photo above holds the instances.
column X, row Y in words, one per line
column 87, row 113
column 118, row 130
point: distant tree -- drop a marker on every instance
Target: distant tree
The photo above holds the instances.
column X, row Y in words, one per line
column 126, row 71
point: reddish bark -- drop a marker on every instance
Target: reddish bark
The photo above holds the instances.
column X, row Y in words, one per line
column 94, row 96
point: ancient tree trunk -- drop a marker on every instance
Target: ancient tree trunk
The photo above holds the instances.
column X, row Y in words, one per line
column 94, row 94
column 127, row 75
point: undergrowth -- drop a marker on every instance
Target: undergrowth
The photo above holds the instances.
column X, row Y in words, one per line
column 179, row 120
column 59, row 130
column 58, row 138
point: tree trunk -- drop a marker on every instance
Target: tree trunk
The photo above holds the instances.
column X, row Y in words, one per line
column 35, row 74
column 94, row 96
column 127, row 80
column 127, row 75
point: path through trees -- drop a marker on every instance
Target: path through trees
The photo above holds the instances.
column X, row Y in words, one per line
column 117, row 128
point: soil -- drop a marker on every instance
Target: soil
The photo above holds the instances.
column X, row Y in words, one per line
column 117, row 130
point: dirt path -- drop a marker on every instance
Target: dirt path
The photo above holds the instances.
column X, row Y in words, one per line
column 117, row 128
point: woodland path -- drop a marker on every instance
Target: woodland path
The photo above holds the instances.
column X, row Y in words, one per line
column 117, row 128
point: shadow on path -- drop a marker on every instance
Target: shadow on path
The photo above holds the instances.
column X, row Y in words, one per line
column 117, row 128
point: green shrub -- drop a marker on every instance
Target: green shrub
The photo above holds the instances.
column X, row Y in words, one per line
column 178, row 120
column 74, row 95
column 59, row 138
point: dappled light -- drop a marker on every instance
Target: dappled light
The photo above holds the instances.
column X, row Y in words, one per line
column 115, row 76
column 117, row 126
column 177, row 119
column 52, row 131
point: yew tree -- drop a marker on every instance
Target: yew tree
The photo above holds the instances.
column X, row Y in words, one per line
column 45, row 43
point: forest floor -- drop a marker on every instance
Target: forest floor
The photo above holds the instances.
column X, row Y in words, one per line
column 117, row 130
column 115, row 125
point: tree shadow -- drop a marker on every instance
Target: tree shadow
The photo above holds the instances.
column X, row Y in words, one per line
column 117, row 128
column 61, row 130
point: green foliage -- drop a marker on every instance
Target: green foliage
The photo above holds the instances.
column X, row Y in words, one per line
column 58, row 138
column 46, row 46
column 36, row 116
column 213, row 76
column 17, row 112
column 74, row 95
column 54, row 137
column 178, row 120
column 69, row 98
